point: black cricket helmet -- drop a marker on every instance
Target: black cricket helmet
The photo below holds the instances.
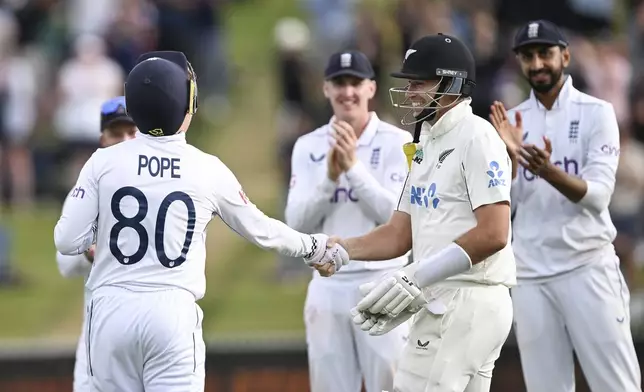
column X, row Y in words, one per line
column 441, row 58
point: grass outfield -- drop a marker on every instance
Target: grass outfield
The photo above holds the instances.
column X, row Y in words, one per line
column 241, row 297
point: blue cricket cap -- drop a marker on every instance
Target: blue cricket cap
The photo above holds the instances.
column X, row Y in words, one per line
column 113, row 111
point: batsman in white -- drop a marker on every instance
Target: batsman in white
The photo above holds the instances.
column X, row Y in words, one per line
column 346, row 178
column 571, row 294
column 153, row 197
column 116, row 127
column 455, row 213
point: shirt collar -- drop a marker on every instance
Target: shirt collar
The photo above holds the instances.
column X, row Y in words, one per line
column 449, row 119
column 369, row 132
column 567, row 90
column 176, row 138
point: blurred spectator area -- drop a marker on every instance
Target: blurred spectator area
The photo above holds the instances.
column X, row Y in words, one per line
column 606, row 39
column 60, row 58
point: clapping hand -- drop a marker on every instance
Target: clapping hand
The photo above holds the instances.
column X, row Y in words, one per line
column 512, row 135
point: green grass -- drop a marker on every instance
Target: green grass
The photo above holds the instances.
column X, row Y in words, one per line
column 44, row 299
column 242, row 298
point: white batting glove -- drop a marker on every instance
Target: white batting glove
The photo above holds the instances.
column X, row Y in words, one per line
column 392, row 295
column 321, row 255
column 379, row 324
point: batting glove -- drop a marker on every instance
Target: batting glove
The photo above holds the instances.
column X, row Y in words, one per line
column 392, row 295
column 321, row 255
column 378, row 324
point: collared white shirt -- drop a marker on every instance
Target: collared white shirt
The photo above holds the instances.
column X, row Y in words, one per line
column 363, row 198
column 553, row 235
column 153, row 198
column 461, row 164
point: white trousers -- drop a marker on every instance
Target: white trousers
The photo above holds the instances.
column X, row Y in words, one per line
column 455, row 341
column 586, row 311
column 81, row 371
column 340, row 354
column 145, row 342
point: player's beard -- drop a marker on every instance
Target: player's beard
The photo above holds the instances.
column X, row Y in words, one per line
column 542, row 87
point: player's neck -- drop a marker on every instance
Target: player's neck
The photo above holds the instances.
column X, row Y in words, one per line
column 548, row 98
column 360, row 124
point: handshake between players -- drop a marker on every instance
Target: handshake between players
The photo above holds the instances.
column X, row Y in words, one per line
column 386, row 303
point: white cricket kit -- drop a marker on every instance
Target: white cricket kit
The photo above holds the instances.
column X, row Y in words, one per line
column 571, row 294
column 154, row 197
column 340, row 354
column 70, row 267
column 460, row 165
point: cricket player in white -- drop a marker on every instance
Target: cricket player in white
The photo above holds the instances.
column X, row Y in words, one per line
column 153, row 197
column 455, row 214
column 116, row 126
column 347, row 189
column 571, row 294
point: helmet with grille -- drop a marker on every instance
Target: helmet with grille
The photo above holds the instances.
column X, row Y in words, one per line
column 442, row 59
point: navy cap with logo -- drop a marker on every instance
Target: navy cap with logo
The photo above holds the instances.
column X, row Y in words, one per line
column 113, row 112
column 539, row 32
column 349, row 63
column 159, row 92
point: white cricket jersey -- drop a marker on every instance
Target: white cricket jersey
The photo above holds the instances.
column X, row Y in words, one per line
column 154, row 197
column 461, row 164
column 364, row 197
column 553, row 235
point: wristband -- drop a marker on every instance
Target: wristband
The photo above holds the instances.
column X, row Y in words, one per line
column 450, row 261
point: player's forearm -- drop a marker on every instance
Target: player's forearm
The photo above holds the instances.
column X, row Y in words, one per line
column 72, row 266
column 375, row 200
column 266, row 232
column 573, row 188
column 515, row 165
column 305, row 213
column 377, row 204
column 458, row 257
column 69, row 239
column 385, row 242
column 482, row 242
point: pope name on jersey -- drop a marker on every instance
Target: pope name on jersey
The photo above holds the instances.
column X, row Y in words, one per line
column 153, row 197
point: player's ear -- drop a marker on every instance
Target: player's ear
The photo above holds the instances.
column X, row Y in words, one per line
column 325, row 89
column 565, row 54
column 373, row 88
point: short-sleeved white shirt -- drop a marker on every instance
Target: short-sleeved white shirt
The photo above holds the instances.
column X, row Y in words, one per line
column 461, row 164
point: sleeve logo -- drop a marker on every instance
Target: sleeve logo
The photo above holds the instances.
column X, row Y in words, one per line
column 243, row 197
column 496, row 175
column 78, row 192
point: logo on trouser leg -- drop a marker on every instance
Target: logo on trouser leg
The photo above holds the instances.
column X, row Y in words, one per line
column 421, row 345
